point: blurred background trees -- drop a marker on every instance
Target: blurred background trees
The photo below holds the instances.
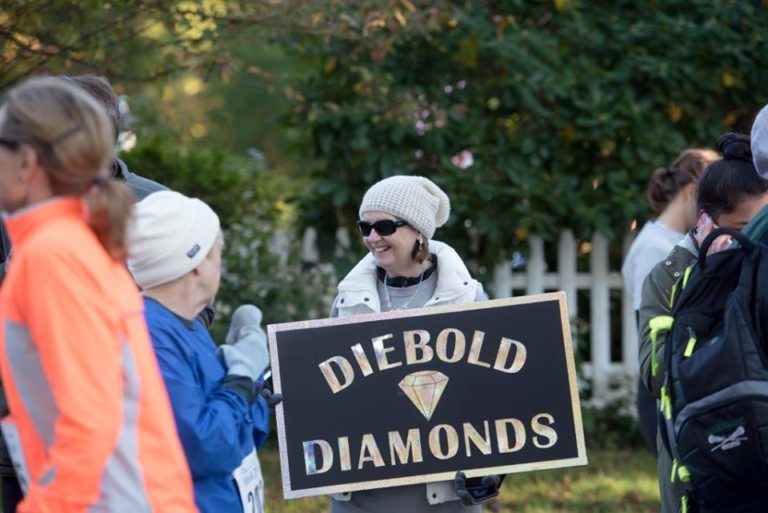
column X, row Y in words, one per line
column 534, row 116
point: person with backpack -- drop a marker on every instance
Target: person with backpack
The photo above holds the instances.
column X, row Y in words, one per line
column 729, row 194
column 90, row 425
column 672, row 197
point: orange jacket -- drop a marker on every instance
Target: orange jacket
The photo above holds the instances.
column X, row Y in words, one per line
column 90, row 408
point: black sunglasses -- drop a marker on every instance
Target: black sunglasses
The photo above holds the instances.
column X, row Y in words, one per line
column 9, row 143
column 384, row 227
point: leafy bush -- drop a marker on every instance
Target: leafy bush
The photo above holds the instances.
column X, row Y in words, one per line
column 534, row 116
column 612, row 423
column 262, row 255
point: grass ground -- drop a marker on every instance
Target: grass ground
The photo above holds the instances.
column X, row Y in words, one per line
column 615, row 481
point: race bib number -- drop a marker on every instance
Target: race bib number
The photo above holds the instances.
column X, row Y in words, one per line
column 13, row 442
column 250, row 484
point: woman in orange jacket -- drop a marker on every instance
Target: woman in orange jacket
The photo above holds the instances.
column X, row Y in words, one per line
column 90, row 427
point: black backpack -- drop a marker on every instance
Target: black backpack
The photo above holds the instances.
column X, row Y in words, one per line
column 714, row 403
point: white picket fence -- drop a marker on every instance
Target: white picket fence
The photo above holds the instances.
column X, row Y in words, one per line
column 599, row 281
column 602, row 365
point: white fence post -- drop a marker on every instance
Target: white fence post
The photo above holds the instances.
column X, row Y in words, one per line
column 600, row 315
column 566, row 264
column 536, row 267
column 342, row 242
column 502, row 280
column 309, row 251
column 629, row 333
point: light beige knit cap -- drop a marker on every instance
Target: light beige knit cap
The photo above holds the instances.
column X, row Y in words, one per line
column 414, row 199
column 172, row 235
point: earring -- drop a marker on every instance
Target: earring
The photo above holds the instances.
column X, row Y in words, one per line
column 421, row 246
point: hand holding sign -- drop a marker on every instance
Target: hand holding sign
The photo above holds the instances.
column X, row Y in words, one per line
column 272, row 398
column 477, row 490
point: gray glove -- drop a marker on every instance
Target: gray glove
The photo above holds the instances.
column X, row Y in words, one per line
column 245, row 351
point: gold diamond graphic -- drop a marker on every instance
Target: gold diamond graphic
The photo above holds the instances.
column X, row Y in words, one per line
column 424, row 389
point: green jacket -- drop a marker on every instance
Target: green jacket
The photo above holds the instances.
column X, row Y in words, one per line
column 758, row 226
column 655, row 303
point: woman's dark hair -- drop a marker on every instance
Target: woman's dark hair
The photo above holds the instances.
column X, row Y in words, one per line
column 100, row 88
column 665, row 183
column 731, row 179
column 420, row 252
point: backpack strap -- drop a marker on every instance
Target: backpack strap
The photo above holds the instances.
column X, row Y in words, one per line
column 658, row 324
column 717, row 232
column 680, row 285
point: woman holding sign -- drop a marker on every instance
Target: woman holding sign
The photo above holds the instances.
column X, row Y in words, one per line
column 405, row 269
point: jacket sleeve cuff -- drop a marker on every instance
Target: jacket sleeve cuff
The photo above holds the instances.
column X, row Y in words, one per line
column 244, row 386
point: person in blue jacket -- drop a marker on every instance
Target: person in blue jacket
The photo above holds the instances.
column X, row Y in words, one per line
column 221, row 416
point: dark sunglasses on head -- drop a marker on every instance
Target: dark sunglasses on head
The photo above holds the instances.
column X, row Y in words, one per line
column 383, row 227
column 9, row 143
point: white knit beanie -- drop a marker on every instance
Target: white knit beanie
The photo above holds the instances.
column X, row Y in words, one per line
column 171, row 236
column 414, row 199
column 760, row 142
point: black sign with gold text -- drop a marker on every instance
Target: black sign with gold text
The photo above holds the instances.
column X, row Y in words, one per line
column 414, row 396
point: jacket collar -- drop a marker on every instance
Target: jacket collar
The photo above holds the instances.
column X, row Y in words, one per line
column 120, row 170
column 453, row 279
column 359, row 286
column 689, row 243
column 23, row 223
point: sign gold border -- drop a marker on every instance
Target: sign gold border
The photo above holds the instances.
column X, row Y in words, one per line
column 560, row 297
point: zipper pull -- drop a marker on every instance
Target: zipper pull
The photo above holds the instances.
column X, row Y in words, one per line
column 691, row 343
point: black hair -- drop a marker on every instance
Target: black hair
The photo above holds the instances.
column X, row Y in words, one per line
column 731, row 179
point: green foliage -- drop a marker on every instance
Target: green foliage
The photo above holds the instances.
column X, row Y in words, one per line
column 610, row 423
column 611, row 427
column 230, row 185
column 262, row 255
column 566, row 107
column 129, row 40
column 124, row 40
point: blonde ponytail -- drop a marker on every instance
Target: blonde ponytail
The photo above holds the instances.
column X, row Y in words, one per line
column 110, row 209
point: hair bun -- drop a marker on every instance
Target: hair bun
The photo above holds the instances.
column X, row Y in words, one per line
column 734, row 146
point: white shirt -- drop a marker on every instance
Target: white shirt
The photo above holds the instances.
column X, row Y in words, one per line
column 651, row 246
